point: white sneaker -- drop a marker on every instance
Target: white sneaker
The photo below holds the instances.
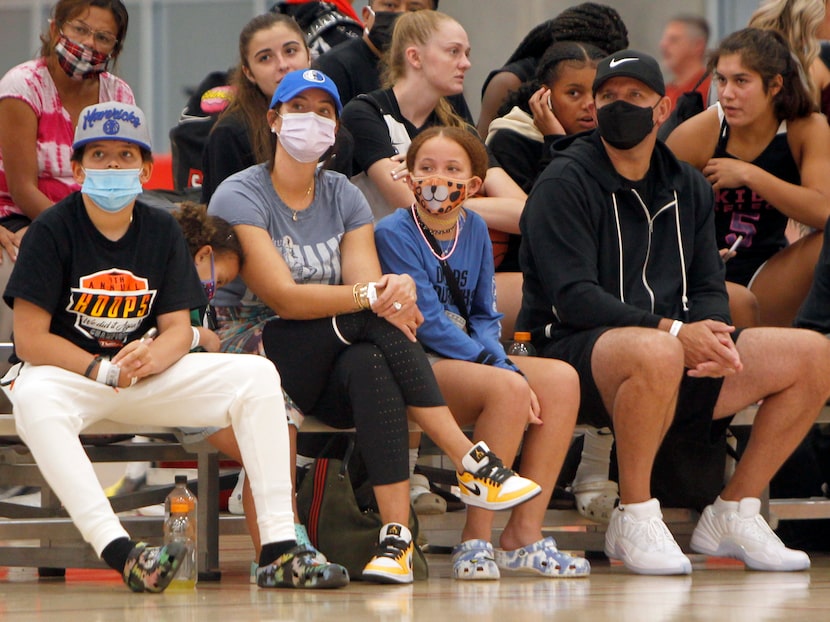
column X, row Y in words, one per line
column 235, row 500
column 638, row 537
column 736, row 529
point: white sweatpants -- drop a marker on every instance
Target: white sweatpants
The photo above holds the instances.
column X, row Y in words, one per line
column 52, row 406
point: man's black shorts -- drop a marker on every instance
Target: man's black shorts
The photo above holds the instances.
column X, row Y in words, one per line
column 697, row 396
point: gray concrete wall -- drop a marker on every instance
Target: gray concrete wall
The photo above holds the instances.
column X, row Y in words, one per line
column 172, row 44
column 496, row 28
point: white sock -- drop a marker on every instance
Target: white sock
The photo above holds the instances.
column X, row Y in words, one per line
column 304, row 461
column 596, row 456
column 721, row 505
column 413, row 459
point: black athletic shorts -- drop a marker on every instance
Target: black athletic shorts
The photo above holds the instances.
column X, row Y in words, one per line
column 697, row 397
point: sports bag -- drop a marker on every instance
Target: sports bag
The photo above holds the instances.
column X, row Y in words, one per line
column 337, row 526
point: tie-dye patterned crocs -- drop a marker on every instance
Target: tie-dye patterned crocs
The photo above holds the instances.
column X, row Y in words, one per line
column 152, row 568
column 301, row 568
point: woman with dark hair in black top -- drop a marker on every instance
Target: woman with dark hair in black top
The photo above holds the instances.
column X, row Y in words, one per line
column 766, row 152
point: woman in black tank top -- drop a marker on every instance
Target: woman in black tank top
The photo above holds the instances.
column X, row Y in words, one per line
column 766, row 152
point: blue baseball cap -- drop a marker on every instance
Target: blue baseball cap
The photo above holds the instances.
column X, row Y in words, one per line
column 302, row 80
column 112, row 121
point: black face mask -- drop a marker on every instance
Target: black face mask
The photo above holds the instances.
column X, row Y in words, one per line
column 624, row 125
column 381, row 33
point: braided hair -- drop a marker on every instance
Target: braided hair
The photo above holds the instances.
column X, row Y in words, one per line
column 589, row 22
column 561, row 53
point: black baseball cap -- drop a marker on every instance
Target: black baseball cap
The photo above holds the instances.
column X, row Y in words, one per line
column 631, row 64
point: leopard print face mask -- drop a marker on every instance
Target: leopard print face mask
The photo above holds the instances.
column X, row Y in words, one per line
column 440, row 195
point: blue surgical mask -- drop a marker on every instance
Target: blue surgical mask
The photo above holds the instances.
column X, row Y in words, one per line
column 112, row 189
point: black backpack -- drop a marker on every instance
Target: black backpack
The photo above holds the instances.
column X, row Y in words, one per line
column 189, row 136
column 688, row 105
column 323, row 24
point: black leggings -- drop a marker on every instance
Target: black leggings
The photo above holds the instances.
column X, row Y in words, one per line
column 367, row 382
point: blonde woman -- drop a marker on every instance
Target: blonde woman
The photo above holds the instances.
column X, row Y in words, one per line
column 799, row 21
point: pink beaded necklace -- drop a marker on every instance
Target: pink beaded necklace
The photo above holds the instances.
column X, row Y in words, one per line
column 423, row 229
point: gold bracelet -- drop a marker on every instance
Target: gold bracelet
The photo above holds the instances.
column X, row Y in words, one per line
column 356, row 295
column 362, row 297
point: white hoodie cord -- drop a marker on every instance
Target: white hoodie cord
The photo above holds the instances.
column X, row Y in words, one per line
column 619, row 242
column 684, row 293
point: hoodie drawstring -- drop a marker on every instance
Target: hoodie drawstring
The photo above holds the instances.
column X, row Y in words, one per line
column 619, row 242
column 684, row 298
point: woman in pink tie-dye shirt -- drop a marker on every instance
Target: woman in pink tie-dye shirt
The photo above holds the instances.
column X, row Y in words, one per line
column 41, row 100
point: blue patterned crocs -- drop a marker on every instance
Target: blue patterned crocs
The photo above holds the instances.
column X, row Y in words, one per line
column 542, row 558
column 472, row 560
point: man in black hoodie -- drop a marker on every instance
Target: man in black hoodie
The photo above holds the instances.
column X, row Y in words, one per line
column 623, row 279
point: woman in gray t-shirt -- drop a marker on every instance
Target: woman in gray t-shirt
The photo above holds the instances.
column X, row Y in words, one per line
column 314, row 300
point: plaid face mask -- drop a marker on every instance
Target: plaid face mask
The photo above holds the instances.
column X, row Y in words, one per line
column 79, row 61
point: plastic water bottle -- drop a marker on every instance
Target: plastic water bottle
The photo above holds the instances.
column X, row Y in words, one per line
column 180, row 524
column 521, row 345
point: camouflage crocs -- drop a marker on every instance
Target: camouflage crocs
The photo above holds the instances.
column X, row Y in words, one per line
column 301, row 568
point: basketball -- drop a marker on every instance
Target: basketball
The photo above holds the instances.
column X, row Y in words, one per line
column 500, row 241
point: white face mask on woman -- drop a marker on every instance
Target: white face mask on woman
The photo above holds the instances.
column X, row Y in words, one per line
column 306, row 136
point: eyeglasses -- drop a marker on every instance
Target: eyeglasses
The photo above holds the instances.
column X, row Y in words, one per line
column 101, row 38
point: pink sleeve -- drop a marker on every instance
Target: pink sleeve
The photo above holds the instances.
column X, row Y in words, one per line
column 114, row 88
column 23, row 82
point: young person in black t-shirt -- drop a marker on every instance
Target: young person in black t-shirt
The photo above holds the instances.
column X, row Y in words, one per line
column 94, row 274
